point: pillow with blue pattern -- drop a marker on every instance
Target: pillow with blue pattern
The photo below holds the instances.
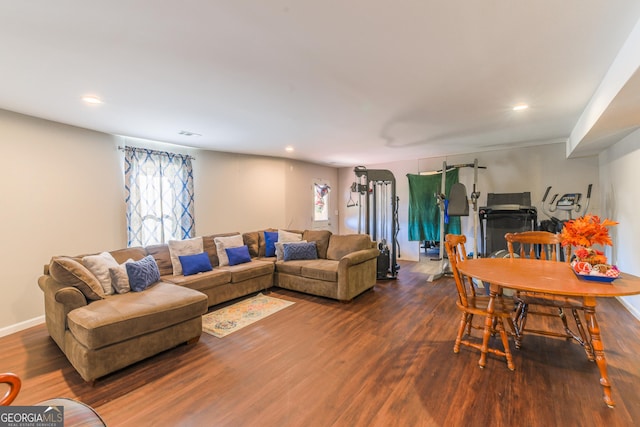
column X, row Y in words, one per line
column 142, row 273
column 299, row 251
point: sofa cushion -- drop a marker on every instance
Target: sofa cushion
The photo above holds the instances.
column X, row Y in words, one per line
column 99, row 266
column 252, row 240
column 238, row 255
column 136, row 253
column 162, row 256
column 183, row 247
column 202, row 281
column 142, row 273
column 119, row 318
column 321, row 237
column 321, row 269
column 300, row 251
column 290, row 267
column 71, row 272
column 249, row 270
column 194, row 264
column 222, row 243
column 341, row 245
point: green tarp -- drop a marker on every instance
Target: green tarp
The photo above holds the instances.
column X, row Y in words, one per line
column 424, row 214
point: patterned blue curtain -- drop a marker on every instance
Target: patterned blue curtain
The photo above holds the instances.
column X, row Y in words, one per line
column 159, row 196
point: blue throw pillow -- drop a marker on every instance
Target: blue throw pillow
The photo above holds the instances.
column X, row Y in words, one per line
column 142, row 273
column 270, row 238
column 238, row 255
column 300, row 251
column 194, row 264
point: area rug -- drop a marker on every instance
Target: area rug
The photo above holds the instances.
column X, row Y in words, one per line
column 221, row 323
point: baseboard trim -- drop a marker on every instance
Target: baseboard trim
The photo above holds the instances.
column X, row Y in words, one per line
column 632, row 309
column 8, row 330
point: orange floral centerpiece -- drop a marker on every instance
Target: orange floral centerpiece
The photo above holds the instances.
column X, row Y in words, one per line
column 584, row 232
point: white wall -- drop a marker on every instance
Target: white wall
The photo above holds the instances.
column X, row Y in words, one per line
column 619, row 176
column 508, row 171
column 63, row 193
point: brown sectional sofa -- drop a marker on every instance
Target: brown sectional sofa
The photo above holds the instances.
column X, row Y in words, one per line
column 100, row 335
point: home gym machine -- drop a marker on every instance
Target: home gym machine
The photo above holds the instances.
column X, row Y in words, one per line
column 456, row 205
column 378, row 189
column 568, row 203
column 505, row 213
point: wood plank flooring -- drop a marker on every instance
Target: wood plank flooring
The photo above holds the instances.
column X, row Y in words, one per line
column 386, row 359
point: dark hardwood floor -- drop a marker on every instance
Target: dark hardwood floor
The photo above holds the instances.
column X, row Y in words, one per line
column 386, row 359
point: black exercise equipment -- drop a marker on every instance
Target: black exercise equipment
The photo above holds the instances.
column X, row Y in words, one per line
column 505, row 213
column 378, row 186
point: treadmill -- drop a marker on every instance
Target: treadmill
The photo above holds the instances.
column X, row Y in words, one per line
column 504, row 213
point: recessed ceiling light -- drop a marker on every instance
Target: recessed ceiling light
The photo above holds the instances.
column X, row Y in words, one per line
column 91, row 99
column 289, row 149
column 520, row 107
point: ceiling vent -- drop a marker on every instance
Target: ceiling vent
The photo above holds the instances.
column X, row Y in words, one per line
column 187, row 133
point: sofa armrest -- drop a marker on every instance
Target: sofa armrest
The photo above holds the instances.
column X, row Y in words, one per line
column 71, row 298
column 59, row 300
column 359, row 257
column 356, row 273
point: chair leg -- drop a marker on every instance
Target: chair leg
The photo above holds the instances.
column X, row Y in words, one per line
column 505, row 344
column 463, row 323
column 586, row 342
column 563, row 317
column 516, row 332
column 521, row 321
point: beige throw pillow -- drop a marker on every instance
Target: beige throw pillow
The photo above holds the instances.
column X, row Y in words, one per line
column 183, row 247
column 99, row 265
column 223, row 243
column 120, row 278
column 287, row 236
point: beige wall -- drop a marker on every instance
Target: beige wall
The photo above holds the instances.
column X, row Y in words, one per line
column 619, row 175
column 63, row 193
column 508, row 171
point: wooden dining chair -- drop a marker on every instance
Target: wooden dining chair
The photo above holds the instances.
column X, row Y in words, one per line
column 544, row 245
column 471, row 304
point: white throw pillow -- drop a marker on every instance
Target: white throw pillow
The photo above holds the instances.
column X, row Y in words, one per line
column 99, row 265
column 223, row 243
column 120, row 278
column 183, row 247
column 280, row 248
column 287, row 236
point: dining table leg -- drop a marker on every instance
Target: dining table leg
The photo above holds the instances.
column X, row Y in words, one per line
column 598, row 348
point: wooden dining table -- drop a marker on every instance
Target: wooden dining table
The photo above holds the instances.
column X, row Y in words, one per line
column 551, row 277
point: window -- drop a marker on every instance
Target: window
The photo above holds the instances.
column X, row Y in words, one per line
column 321, row 201
column 321, row 191
column 159, row 196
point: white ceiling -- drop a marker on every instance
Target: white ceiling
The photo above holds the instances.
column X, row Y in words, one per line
column 344, row 82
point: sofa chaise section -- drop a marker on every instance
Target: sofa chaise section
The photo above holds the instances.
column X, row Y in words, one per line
column 103, row 336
